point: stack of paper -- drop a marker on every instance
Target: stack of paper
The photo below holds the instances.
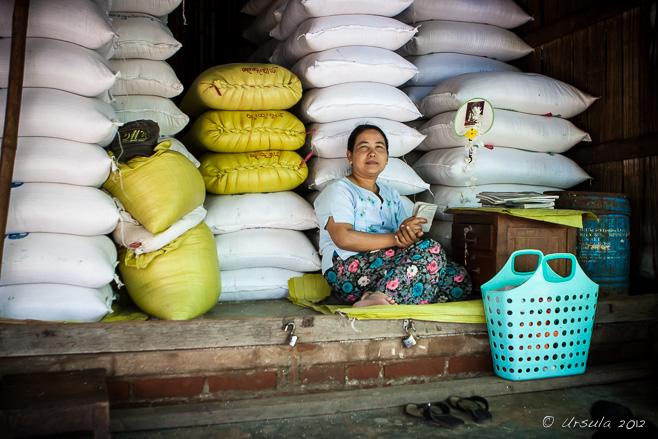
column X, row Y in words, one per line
column 517, row 200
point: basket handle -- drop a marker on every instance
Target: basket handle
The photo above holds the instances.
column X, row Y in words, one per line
column 514, row 255
column 551, row 275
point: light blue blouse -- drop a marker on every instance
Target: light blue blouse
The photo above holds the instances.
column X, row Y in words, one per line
column 348, row 203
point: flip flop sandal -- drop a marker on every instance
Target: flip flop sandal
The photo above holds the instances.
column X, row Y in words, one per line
column 436, row 412
column 476, row 406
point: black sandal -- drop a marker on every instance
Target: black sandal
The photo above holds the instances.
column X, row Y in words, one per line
column 476, row 406
column 436, row 412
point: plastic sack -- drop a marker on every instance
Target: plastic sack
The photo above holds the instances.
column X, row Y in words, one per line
column 298, row 11
column 503, row 13
column 322, row 33
column 51, row 160
column 454, row 167
column 153, row 7
column 279, row 248
column 157, row 190
column 246, row 131
column 145, row 77
column 132, row 235
column 467, row 38
column 525, row 92
column 259, row 30
column 510, row 129
column 48, row 65
column 436, row 67
column 353, row 64
column 53, row 19
column 249, row 172
column 143, row 36
column 55, row 302
column 264, row 283
column 60, row 208
column 48, row 112
column 356, row 100
column 277, row 210
column 54, row 258
column 238, row 86
column 180, row 281
column 160, row 110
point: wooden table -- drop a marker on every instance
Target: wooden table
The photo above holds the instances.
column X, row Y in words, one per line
column 483, row 241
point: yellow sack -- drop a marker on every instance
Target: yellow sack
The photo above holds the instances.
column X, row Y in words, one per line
column 249, row 172
column 242, row 86
column 243, row 131
column 157, row 190
column 178, row 282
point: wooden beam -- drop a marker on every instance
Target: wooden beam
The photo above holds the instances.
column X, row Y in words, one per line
column 13, row 111
column 581, row 19
column 617, row 150
column 32, row 339
column 230, row 412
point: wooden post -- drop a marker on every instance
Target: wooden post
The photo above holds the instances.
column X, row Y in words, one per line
column 13, row 111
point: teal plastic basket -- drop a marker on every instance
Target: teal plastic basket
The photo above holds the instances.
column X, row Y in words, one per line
column 539, row 323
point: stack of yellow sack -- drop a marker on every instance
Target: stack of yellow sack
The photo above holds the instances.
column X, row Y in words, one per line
column 247, row 144
column 167, row 258
column 251, row 138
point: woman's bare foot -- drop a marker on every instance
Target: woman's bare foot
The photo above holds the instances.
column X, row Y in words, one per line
column 372, row 298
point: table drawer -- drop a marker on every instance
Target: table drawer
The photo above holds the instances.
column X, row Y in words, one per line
column 475, row 236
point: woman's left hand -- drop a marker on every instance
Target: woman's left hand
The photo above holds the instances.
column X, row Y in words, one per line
column 409, row 232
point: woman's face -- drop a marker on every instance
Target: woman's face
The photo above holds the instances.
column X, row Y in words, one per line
column 370, row 155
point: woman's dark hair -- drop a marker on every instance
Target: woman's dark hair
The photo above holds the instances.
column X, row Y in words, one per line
column 361, row 128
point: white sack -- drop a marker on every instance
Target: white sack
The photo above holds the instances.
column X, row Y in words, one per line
column 276, row 210
column 329, row 140
column 466, row 38
column 48, row 112
column 322, row 33
column 55, row 302
column 145, row 77
column 353, row 64
column 452, row 167
column 177, row 146
column 354, row 100
column 265, row 53
column 61, row 208
column 51, row 160
column 436, row 67
column 130, row 234
column 160, row 110
column 397, row 174
column 153, row 7
column 143, row 36
column 417, row 94
column 264, row 283
column 278, row 248
column 511, row 129
column 57, row 64
column 297, row 11
column 525, row 92
column 503, row 13
column 85, row 261
column 76, row 21
column 259, row 30
column 449, row 196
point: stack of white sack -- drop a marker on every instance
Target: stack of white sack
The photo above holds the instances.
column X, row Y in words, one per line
column 521, row 151
column 146, row 82
column 343, row 53
column 250, row 168
column 57, row 264
column 457, row 36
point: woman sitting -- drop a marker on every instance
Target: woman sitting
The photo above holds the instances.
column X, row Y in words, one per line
column 372, row 250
